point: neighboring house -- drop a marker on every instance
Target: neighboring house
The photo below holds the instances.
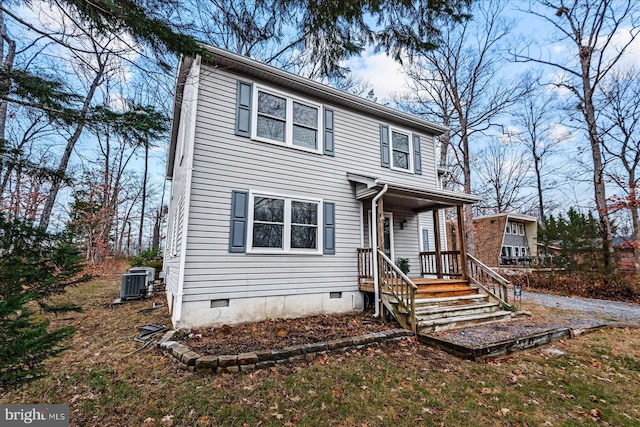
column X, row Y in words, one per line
column 624, row 249
column 273, row 180
column 505, row 239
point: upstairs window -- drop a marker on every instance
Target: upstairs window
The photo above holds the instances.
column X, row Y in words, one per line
column 272, row 117
column 305, row 126
column 401, row 150
column 283, row 119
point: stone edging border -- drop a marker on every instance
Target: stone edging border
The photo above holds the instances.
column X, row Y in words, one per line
column 244, row 362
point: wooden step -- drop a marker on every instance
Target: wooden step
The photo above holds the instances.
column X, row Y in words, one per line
column 436, row 291
column 448, row 311
column 443, row 286
column 445, row 293
column 445, row 324
column 464, row 299
column 424, row 281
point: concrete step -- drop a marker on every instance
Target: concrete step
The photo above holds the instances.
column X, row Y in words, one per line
column 445, row 324
column 448, row 311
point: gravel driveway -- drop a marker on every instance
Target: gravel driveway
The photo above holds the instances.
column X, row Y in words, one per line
column 602, row 309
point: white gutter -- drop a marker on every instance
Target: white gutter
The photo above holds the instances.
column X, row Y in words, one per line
column 374, row 246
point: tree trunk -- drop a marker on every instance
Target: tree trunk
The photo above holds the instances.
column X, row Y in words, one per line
column 598, row 167
column 536, row 165
column 6, row 62
column 144, row 195
column 635, row 221
column 468, row 212
column 71, row 143
column 155, row 241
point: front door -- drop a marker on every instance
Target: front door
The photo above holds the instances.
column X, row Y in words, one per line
column 387, row 234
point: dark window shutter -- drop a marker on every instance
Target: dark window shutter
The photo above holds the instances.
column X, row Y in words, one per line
column 243, row 109
column 238, row 232
column 417, row 156
column 384, row 146
column 328, row 133
column 329, row 229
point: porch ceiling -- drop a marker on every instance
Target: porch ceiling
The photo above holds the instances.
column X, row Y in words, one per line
column 415, row 198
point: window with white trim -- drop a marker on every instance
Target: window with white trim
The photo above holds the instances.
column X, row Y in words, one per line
column 284, row 224
column 401, row 150
column 284, row 119
column 521, row 229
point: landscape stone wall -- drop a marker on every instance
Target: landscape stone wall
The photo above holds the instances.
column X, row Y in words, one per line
column 244, row 362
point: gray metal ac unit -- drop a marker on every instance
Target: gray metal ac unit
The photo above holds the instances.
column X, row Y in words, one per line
column 134, row 285
column 149, row 271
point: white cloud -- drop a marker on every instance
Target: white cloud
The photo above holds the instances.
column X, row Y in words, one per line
column 384, row 74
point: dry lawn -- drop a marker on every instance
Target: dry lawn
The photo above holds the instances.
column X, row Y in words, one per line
column 595, row 381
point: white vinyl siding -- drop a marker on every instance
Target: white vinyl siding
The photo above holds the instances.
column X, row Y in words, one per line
column 224, row 162
column 178, row 209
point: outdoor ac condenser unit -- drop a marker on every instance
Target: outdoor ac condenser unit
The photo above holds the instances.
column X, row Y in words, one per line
column 134, row 285
column 149, row 271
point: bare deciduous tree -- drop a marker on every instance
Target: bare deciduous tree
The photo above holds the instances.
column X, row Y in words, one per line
column 461, row 84
column 596, row 33
column 620, row 121
column 539, row 132
column 503, row 175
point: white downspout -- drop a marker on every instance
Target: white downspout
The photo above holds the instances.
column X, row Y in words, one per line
column 374, row 247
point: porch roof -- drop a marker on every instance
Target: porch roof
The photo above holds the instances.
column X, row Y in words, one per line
column 415, row 198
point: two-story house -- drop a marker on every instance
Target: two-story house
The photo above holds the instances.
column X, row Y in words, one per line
column 506, row 239
column 275, row 180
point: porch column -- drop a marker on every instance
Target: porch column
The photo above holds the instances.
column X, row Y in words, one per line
column 462, row 238
column 380, row 239
column 436, row 232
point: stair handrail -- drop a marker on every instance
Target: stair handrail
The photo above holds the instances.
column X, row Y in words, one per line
column 502, row 291
column 404, row 293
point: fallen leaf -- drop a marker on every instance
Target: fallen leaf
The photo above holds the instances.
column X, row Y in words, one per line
column 502, row 412
column 167, row 420
column 278, row 416
column 596, row 414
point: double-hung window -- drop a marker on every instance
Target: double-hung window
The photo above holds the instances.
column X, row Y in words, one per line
column 285, row 224
column 281, row 118
column 401, row 150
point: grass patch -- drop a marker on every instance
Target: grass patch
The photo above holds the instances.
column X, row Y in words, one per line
column 409, row 384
